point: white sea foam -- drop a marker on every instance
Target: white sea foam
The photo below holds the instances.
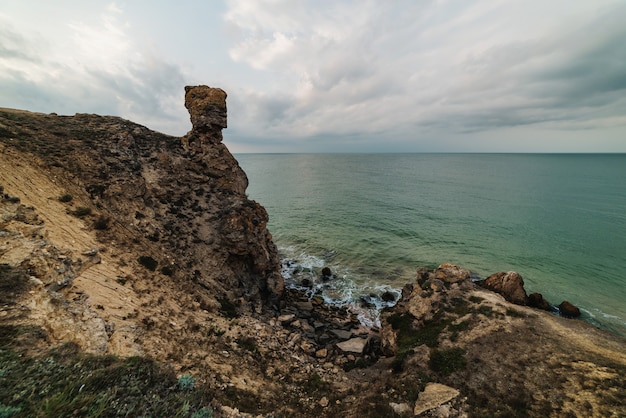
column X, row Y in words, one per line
column 302, row 271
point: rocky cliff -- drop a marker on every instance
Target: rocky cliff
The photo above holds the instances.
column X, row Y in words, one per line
column 125, row 238
column 178, row 202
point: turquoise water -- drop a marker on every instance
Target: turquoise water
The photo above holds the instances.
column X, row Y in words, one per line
column 558, row 220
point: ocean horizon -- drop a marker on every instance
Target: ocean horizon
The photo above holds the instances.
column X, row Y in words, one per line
column 558, row 219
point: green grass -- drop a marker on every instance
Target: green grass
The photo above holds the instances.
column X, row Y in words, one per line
column 446, row 362
column 64, row 382
column 409, row 337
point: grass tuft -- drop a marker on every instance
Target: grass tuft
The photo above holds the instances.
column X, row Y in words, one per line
column 447, row 361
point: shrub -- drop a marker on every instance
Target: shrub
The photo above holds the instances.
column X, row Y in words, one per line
column 8, row 411
column 101, row 223
column 66, row 198
column 228, row 308
column 203, row 413
column 476, row 299
column 447, row 361
column 148, row 262
column 81, row 212
column 186, row 382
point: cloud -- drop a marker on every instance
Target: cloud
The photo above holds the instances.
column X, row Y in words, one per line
column 339, row 74
column 405, row 68
column 97, row 68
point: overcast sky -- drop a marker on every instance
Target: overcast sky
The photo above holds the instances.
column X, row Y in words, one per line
column 333, row 75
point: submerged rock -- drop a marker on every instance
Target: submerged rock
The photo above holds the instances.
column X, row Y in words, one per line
column 509, row 284
column 327, row 274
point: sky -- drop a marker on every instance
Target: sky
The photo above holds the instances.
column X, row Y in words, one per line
column 333, row 75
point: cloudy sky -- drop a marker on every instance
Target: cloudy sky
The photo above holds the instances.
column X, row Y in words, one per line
column 333, row 75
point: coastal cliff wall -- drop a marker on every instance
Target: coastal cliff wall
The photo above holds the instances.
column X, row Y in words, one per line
column 179, row 202
column 135, row 237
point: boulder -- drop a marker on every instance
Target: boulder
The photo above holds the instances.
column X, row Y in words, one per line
column 422, row 274
column 286, row 319
column 434, row 395
column 341, row 334
column 569, row 310
column 327, row 273
column 449, row 273
column 509, row 284
column 388, row 296
column 354, row 345
column 207, row 107
column 536, row 300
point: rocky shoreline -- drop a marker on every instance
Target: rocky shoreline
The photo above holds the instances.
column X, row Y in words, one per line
column 134, row 269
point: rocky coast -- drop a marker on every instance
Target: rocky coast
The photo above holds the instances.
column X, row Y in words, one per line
column 138, row 279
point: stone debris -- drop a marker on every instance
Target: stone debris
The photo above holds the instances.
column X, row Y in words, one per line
column 401, row 408
column 434, row 395
column 354, row 345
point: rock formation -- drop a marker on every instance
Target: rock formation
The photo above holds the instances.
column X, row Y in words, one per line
column 179, row 202
column 471, row 339
column 536, row 300
column 569, row 310
column 509, row 284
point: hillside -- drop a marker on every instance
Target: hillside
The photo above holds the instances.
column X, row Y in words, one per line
column 137, row 278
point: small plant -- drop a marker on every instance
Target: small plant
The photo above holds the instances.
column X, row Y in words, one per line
column 247, row 343
column 148, row 262
column 216, row 332
column 101, row 223
column 228, row 308
column 81, row 212
column 515, row 313
column 66, row 198
column 186, row 382
column 203, row 413
column 447, row 361
column 476, row 299
column 8, row 411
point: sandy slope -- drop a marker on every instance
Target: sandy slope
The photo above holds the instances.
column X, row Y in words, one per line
column 22, row 176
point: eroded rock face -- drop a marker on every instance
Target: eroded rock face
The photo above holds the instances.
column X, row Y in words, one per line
column 244, row 244
column 207, row 107
column 509, row 284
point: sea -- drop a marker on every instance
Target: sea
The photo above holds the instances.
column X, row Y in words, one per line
column 559, row 220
